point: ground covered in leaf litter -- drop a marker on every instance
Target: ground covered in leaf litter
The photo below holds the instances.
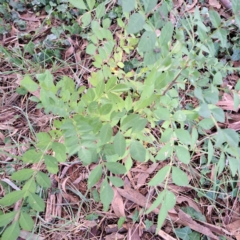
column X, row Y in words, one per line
column 19, row 119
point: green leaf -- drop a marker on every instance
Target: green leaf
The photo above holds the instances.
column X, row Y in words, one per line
column 183, row 154
column 91, row 4
column 6, row 218
column 128, row 5
column 85, row 156
column 116, row 181
column 204, row 111
column 168, row 203
column 95, row 176
column 78, row 4
column 218, row 114
column 43, row 180
column 44, row 140
column 184, row 136
column 231, row 137
column 100, row 10
column 166, row 34
column 147, row 41
column 106, row 194
column 22, row 175
column 12, row 232
column 217, row 79
column 31, row 156
column 160, row 176
column 36, row 202
column 26, row 221
column 60, row 151
column 194, row 214
column 183, row 233
column 156, row 202
column 179, row 177
column 206, row 123
column 149, row 5
column 116, row 168
column 135, row 23
column 234, row 164
column 164, row 152
column 215, row 18
column 51, row 164
column 86, row 20
column 105, row 133
column 210, row 151
column 162, row 113
column 179, row 116
column 120, row 88
column 30, row 186
column 106, row 109
column 137, row 151
column 11, row 198
column 91, row 49
column 130, row 121
column 119, row 144
column 29, row 84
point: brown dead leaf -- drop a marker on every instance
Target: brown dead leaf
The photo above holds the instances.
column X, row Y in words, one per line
column 227, row 103
column 215, row 4
column 117, row 204
column 134, row 233
column 190, row 202
column 186, row 220
column 69, row 52
column 226, row 3
column 165, row 236
column 234, row 227
column 114, row 236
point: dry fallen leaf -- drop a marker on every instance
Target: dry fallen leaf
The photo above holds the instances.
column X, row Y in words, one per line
column 215, row 4
column 117, row 204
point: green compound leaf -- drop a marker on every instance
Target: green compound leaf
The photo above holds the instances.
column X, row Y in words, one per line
column 78, row 4
column 135, row 23
column 95, row 176
column 119, row 144
column 26, row 221
column 11, row 198
column 36, row 202
column 179, row 177
column 137, row 151
column 12, row 232
column 183, row 154
column 22, row 175
column 160, row 176
column 116, row 168
column 147, row 41
column 43, row 180
column 106, row 194
column 6, row 218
